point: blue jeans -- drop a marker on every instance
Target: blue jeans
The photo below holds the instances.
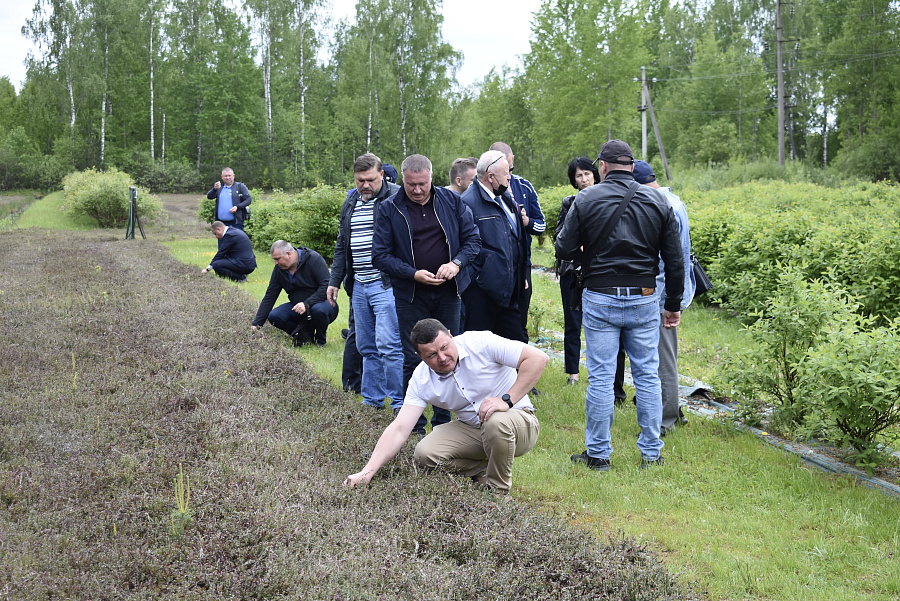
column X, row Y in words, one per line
column 378, row 341
column 636, row 320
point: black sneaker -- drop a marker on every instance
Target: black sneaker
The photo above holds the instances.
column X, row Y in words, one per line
column 647, row 464
column 345, row 333
column 301, row 335
column 595, row 463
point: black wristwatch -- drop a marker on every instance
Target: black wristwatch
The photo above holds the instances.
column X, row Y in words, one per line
column 505, row 398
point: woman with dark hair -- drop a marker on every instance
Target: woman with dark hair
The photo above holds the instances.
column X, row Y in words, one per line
column 582, row 174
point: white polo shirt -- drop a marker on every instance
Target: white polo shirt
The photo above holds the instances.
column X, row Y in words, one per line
column 486, row 367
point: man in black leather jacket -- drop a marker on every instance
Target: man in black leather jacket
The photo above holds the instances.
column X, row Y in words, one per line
column 620, row 297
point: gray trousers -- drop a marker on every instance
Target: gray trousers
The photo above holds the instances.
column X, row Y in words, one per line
column 668, row 375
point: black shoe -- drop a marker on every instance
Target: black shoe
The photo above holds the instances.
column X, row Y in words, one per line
column 243, row 280
column 647, row 464
column 301, row 335
column 681, row 418
column 595, row 463
column 620, row 400
column 345, row 333
column 535, row 392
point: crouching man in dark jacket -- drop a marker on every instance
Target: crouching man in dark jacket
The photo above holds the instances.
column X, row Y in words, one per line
column 303, row 275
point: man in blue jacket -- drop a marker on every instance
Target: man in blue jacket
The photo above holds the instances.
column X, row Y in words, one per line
column 424, row 238
column 232, row 200
column 235, row 259
column 303, row 274
column 526, row 198
column 498, row 273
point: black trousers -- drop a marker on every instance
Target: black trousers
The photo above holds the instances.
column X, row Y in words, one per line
column 525, row 301
column 227, row 268
column 483, row 313
column 572, row 322
column 351, row 370
column 435, row 304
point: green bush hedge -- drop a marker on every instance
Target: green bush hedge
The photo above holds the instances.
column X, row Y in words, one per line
column 310, row 219
column 551, row 200
column 748, row 235
column 105, row 197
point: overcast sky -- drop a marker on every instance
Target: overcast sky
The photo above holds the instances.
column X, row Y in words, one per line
column 488, row 34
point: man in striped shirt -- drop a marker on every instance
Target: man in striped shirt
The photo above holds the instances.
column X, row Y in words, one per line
column 374, row 312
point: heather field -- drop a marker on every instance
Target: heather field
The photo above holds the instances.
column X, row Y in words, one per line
column 152, row 447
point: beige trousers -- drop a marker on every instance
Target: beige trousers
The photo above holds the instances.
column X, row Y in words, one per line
column 487, row 451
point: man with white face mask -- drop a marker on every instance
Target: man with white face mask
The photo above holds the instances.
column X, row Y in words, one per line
column 498, row 273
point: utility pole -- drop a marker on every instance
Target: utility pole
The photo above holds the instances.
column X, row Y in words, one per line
column 779, row 35
column 644, row 100
column 662, row 152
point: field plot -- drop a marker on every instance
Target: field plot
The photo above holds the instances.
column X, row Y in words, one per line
column 152, row 446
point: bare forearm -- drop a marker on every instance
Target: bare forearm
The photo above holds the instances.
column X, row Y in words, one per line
column 531, row 366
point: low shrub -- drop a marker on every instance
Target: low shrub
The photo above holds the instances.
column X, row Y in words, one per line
column 854, row 375
column 105, row 197
column 311, row 219
column 174, row 177
column 796, row 317
column 551, row 201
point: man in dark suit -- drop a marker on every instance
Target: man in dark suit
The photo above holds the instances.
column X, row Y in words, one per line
column 235, row 259
column 498, row 272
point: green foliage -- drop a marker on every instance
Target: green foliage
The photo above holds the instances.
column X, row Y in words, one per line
column 551, row 201
column 172, row 177
column 854, row 375
column 311, row 219
column 748, row 235
column 105, row 197
column 182, row 516
column 796, row 317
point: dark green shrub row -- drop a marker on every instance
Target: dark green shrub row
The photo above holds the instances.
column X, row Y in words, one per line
column 747, row 236
column 310, row 219
column 105, row 197
column 823, row 366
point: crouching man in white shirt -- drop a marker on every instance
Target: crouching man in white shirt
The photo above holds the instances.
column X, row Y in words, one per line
column 483, row 379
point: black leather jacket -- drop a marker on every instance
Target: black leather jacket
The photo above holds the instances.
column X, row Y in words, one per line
column 630, row 256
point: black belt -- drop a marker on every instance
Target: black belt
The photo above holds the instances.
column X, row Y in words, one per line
column 623, row 291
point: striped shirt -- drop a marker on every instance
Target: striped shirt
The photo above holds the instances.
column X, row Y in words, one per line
column 362, row 228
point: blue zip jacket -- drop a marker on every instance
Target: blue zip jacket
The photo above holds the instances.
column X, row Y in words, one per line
column 392, row 250
column 526, row 196
column 493, row 270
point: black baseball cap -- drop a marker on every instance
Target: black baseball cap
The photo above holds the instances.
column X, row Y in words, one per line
column 614, row 150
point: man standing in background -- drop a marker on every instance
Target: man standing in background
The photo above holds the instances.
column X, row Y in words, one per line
column 232, row 200
column 668, row 337
column 525, row 196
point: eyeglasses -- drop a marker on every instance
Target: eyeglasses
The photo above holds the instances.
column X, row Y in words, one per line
column 495, row 160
